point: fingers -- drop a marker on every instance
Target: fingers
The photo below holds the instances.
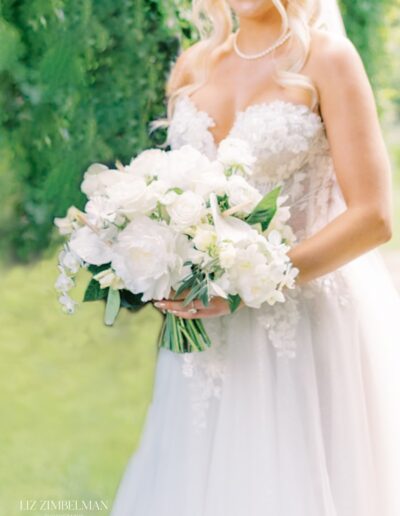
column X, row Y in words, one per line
column 217, row 306
column 181, row 296
column 188, row 315
column 168, row 304
column 193, row 310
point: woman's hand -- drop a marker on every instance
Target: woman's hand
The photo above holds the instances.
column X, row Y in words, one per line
column 195, row 309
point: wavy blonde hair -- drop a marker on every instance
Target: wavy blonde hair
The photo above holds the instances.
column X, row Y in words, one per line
column 215, row 22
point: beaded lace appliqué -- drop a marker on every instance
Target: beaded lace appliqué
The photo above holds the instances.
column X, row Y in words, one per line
column 191, row 126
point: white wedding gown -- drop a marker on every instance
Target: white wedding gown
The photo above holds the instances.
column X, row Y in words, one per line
column 294, row 411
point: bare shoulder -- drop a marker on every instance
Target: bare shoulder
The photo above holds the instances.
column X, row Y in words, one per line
column 181, row 72
column 334, row 60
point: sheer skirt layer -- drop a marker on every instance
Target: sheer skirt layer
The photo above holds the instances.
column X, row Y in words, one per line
column 313, row 435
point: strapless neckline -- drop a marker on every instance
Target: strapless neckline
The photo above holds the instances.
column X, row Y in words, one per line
column 251, row 108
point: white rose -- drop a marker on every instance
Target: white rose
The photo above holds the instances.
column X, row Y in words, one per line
column 186, row 210
column 147, row 164
column 90, row 247
column 131, row 196
column 235, row 152
column 145, row 257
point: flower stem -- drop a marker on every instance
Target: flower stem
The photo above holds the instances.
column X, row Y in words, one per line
column 183, row 335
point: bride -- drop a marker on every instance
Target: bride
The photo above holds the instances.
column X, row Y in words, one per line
column 293, row 411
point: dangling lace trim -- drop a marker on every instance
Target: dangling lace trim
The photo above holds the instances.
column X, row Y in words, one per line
column 206, row 371
column 334, row 284
column 280, row 320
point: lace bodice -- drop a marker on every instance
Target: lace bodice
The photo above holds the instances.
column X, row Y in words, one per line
column 291, row 147
column 292, row 150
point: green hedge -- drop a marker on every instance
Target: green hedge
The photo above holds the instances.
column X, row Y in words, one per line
column 366, row 25
column 79, row 82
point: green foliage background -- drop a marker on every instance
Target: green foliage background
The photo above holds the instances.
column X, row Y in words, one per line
column 79, row 83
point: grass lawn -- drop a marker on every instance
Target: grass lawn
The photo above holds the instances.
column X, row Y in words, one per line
column 73, row 392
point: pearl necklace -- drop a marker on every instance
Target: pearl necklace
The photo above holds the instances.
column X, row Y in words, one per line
column 280, row 41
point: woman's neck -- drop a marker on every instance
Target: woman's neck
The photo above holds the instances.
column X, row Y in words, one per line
column 258, row 33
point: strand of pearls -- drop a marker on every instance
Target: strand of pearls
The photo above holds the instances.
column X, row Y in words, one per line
column 280, row 41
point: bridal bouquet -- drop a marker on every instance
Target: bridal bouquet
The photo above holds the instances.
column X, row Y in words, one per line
column 177, row 222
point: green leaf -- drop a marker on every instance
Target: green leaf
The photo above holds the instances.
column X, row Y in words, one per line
column 94, row 292
column 95, row 269
column 196, row 291
column 265, row 209
column 234, row 302
column 112, row 307
column 131, row 301
column 204, row 295
column 177, row 190
column 223, row 202
column 186, row 283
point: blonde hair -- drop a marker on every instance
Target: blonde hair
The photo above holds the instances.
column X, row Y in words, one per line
column 214, row 21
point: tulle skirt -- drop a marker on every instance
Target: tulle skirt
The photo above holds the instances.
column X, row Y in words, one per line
column 244, row 431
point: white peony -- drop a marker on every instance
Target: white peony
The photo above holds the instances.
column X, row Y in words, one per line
column 236, row 153
column 97, row 178
column 183, row 167
column 100, row 210
column 211, row 180
column 90, row 247
column 187, row 209
column 145, row 257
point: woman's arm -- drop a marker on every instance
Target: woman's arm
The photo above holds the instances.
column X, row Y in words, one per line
column 360, row 159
